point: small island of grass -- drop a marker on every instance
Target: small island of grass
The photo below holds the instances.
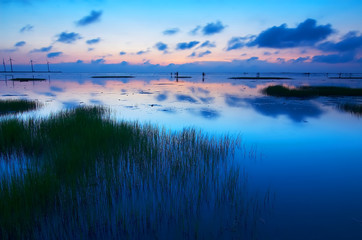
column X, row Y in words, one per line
column 112, row 76
column 27, row 79
column 16, row 106
column 311, row 91
column 261, row 78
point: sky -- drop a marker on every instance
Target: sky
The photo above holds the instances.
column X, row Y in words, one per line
column 190, row 35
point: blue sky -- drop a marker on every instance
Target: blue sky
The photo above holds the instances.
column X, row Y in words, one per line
column 259, row 34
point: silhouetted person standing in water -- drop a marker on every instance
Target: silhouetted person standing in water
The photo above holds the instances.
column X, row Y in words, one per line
column 176, row 76
column 203, row 76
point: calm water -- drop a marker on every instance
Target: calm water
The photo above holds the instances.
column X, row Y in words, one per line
column 308, row 153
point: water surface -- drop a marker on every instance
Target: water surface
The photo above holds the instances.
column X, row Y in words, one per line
column 307, row 151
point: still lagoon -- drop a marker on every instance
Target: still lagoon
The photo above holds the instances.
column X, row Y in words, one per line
column 306, row 154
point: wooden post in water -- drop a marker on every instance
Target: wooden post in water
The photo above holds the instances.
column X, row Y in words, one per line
column 11, row 64
column 32, row 67
column 4, row 65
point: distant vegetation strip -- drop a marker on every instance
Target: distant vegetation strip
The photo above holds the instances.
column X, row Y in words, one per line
column 16, row 106
column 81, row 175
column 27, row 79
column 311, row 91
column 112, row 76
column 276, row 78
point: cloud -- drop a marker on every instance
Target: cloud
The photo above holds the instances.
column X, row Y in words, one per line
column 9, row 50
column 207, row 44
column 201, row 54
column 334, row 58
column 192, row 55
column 98, row 61
column 93, row 41
column 68, row 38
column 267, row 54
column 306, row 33
column 142, row 52
column 252, row 59
column 161, row 46
column 185, row 45
column 350, row 42
column 299, row 60
column 90, row 49
column 204, row 53
column 171, row 31
column 213, row 28
column 20, row 44
column 26, row 28
column 122, row 53
column 54, row 54
column 43, row 49
column 94, row 16
column 195, row 30
column 237, row 43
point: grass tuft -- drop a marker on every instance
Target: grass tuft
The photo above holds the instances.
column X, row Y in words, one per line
column 311, row 91
column 83, row 175
column 352, row 108
column 16, row 106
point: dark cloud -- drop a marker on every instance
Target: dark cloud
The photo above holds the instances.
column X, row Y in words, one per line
column 122, row 53
column 237, row 43
column 252, row 59
column 161, row 46
column 195, row 30
column 43, row 49
column 334, row 58
column 98, row 61
column 93, row 41
column 68, row 38
column 141, row 52
column 94, row 16
column 299, row 60
column 171, row 31
column 26, row 28
column 213, row 28
column 281, row 60
column 185, row 45
column 185, row 98
column 161, row 97
column 20, row 44
column 350, row 42
column 201, row 54
column 54, row 54
column 267, row 54
column 306, row 33
column 207, row 44
column 192, row 55
column 9, row 50
column 209, row 113
column 295, row 110
column 56, row 89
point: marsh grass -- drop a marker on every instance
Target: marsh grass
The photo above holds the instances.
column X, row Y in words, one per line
column 84, row 175
column 355, row 109
column 311, row 91
column 16, row 106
